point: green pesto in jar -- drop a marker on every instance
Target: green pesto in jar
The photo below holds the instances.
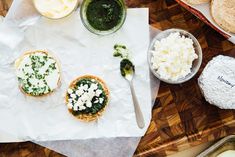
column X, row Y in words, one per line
column 104, row 15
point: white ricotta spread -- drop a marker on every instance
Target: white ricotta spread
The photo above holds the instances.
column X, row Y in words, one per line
column 81, row 97
column 38, row 73
column 228, row 153
column 173, row 56
column 55, row 8
column 217, row 82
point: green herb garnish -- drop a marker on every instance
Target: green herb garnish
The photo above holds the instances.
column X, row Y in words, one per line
column 120, row 51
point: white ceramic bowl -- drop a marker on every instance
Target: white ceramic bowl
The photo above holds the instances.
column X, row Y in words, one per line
column 56, row 18
column 196, row 63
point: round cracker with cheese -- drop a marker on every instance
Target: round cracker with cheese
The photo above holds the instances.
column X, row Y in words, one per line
column 38, row 73
column 87, row 97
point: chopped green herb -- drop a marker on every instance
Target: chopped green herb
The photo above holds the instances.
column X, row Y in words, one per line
column 121, row 51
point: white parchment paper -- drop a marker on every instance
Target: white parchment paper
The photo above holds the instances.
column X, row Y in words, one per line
column 79, row 52
column 108, row 147
column 103, row 147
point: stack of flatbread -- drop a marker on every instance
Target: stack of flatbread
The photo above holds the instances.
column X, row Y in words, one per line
column 222, row 11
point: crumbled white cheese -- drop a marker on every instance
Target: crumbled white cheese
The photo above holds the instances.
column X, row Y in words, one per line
column 70, row 91
column 96, row 101
column 75, row 108
column 73, row 96
column 88, row 104
column 79, row 103
column 98, row 92
column 55, row 8
column 101, row 100
column 94, row 86
column 85, row 87
column 85, row 95
column 79, row 92
column 90, row 94
column 82, row 108
column 173, row 56
column 217, row 82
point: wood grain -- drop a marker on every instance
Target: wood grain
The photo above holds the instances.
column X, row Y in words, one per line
column 26, row 149
column 181, row 116
column 4, row 6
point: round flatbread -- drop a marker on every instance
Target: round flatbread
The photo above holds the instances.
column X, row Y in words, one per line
column 38, row 73
column 196, row 1
column 223, row 13
column 87, row 97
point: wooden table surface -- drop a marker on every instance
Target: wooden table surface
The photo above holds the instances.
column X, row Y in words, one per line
column 181, row 117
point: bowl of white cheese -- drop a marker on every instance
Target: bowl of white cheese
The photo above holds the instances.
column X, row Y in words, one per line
column 174, row 56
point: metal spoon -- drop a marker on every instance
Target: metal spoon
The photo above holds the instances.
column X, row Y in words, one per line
column 128, row 71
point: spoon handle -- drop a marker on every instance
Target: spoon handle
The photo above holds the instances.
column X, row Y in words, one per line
column 138, row 113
